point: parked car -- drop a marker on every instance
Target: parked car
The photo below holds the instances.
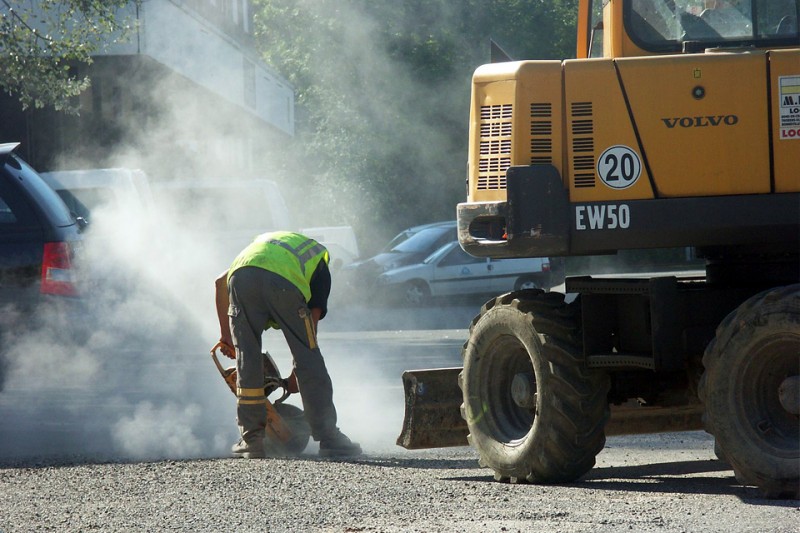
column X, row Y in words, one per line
column 340, row 241
column 125, row 191
column 451, row 272
column 410, row 232
column 39, row 242
column 355, row 283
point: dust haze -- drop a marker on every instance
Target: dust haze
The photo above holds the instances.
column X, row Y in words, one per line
column 140, row 384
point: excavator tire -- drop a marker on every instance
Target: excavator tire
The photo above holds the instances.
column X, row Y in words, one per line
column 755, row 355
column 301, row 432
column 534, row 411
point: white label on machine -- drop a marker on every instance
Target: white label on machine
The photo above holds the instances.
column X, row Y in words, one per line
column 619, row 167
column 605, row 216
column 789, row 87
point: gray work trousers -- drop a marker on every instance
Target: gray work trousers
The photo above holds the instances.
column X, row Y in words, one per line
column 256, row 297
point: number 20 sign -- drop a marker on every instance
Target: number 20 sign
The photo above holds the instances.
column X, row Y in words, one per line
column 619, row 167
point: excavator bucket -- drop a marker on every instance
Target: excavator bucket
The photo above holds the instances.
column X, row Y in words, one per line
column 433, row 410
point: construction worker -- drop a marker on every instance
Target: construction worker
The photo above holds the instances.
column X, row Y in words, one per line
column 280, row 280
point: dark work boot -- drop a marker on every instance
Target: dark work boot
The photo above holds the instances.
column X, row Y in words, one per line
column 338, row 445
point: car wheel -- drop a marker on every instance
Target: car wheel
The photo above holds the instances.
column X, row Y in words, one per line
column 416, row 293
column 525, row 283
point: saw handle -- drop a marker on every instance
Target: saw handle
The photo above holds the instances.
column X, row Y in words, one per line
column 226, row 349
column 228, row 374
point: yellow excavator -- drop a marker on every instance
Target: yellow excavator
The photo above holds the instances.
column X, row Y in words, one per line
column 677, row 126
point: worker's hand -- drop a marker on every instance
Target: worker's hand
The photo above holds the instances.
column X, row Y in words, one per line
column 225, row 348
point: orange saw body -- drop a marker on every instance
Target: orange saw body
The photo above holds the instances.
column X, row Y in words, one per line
column 278, row 430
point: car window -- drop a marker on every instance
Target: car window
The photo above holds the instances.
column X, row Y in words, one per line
column 427, row 239
column 41, row 192
column 400, row 237
column 94, row 197
column 15, row 211
column 457, row 256
column 434, row 257
column 7, row 216
column 75, row 205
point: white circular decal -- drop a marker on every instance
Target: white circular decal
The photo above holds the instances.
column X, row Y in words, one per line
column 619, row 167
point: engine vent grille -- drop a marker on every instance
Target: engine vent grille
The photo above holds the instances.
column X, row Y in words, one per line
column 583, row 144
column 541, row 133
column 495, row 146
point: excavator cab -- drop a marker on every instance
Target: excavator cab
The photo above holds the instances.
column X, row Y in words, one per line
column 614, row 28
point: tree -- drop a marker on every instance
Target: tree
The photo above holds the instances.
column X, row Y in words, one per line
column 382, row 96
column 42, row 40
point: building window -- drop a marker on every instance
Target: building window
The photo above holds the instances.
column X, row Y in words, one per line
column 226, row 13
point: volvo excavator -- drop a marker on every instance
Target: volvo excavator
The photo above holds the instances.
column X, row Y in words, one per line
column 676, row 126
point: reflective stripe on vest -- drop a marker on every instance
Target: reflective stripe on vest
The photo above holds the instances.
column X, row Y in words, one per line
column 312, row 248
column 290, row 255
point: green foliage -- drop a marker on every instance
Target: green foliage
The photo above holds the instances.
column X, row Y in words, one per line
column 42, row 40
column 382, row 95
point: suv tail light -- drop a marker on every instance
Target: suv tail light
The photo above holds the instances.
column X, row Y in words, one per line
column 545, row 266
column 58, row 276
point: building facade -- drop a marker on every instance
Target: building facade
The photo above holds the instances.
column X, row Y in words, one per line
column 186, row 95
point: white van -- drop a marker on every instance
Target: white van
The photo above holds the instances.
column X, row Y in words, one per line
column 222, row 216
column 125, row 191
column 340, row 242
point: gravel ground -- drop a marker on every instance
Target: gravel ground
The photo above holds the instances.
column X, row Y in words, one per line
column 661, row 483
column 119, row 410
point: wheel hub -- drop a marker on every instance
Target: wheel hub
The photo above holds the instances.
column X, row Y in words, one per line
column 789, row 394
column 523, row 390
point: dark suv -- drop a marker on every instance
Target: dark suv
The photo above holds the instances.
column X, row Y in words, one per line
column 38, row 241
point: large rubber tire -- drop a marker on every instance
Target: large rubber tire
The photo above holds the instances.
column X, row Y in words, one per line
column 756, row 348
column 301, row 432
column 532, row 334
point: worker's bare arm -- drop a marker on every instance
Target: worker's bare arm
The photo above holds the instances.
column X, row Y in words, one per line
column 222, row 302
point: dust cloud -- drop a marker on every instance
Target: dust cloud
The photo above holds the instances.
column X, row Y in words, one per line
column 126, row 373
column 129, row 376
column 138, row 384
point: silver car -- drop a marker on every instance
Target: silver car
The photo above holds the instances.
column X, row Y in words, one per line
column 451, row 272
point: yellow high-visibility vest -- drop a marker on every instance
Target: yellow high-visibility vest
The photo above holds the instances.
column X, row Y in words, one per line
column 290, row 255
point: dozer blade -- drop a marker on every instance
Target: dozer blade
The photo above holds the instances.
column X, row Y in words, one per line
column 640, row 420
column 433, row 410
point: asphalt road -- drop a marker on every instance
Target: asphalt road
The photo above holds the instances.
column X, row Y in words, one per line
column 135, row 438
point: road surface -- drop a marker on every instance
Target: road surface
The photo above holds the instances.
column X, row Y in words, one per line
column 132, row 437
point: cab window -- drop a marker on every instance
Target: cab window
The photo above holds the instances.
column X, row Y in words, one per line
column 663, row 25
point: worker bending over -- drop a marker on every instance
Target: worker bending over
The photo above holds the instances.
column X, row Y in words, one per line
column 280, row 280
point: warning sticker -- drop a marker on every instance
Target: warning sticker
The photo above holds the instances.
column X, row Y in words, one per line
column 789, row 87
column 619, row 167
